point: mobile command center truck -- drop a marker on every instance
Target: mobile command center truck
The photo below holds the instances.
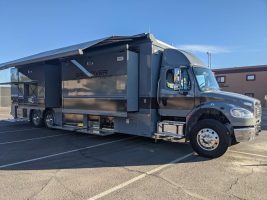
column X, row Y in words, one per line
column 135, row 85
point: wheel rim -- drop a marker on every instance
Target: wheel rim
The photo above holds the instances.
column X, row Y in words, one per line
column 36, row 118
column 49, row 120
column 208, row 139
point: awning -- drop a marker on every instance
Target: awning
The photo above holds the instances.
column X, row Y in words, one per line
column 70, row 50
column 53, row 54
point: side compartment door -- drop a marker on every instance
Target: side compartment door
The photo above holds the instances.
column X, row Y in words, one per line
column 175, row 89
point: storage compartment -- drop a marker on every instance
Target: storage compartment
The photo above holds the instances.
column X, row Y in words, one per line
column 73, row 119
column 171, row 127
column 111, row 90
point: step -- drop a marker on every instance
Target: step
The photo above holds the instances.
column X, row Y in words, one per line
column 169, row 134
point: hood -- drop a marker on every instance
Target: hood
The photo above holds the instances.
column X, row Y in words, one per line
column 231, row 98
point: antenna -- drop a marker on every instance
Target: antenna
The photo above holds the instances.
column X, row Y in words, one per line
column 148, row 28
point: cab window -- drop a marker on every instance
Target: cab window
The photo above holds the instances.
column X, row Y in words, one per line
column 173, row 82
column 170, row 78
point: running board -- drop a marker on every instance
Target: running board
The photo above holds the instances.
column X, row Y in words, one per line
column 169, row 130
column 92, row 131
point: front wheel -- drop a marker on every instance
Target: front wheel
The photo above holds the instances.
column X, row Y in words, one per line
column 210, row 138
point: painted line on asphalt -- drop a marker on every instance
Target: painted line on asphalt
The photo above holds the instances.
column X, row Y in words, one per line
column 32, row 139
column 63, row 153
column 18, row 130
column 249, row 154
column 137, row 178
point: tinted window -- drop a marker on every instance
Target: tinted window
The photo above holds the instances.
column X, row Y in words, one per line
column 220, row 79
column 170, row 78
column 251, row 77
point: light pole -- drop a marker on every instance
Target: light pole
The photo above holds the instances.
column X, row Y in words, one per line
column 209, row 59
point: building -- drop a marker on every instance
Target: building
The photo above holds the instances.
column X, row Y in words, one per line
column 5, row 99
column 250, row 81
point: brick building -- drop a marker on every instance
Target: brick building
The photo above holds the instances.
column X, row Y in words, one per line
column 250, row 81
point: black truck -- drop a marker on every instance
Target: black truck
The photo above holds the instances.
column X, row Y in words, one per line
column 134, row 85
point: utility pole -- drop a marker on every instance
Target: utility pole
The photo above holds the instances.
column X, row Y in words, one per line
column 209, row 59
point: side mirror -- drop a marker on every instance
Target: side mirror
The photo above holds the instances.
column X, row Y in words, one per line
column 177, row 73
column 177, row 77
column 176, row 86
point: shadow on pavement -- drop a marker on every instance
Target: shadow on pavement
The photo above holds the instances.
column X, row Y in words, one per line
column 139, row 151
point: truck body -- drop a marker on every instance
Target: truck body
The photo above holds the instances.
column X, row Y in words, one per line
column 134, row 85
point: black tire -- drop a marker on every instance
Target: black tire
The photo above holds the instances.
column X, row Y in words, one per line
column 49, row 119
column 217, row 131
column 37, row 118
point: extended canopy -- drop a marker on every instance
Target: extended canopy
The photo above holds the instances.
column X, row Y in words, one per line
column 67, row 51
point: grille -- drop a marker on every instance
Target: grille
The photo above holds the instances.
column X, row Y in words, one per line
column 257, row 111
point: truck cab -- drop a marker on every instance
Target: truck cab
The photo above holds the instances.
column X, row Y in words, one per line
column 190, row 99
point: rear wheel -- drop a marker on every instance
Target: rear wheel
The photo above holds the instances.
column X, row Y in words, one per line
column 210, row 138
column 49, row 119
column 37, row 118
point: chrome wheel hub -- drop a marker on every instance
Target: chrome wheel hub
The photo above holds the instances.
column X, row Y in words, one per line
column 208, row 139
column 36, row 118
column 49, row 120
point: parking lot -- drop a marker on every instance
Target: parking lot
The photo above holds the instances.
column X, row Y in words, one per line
column 54, row 164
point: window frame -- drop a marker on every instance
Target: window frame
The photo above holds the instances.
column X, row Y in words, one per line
column 166, row 80
column 220, row 76
column 250, row 79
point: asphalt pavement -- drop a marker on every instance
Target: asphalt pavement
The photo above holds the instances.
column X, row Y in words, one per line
column 39, row 163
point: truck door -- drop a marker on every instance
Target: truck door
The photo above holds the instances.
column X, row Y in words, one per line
column 175, row 88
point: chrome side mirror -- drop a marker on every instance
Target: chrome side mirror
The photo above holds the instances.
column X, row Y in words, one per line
column 176, row 86
column 177, row 73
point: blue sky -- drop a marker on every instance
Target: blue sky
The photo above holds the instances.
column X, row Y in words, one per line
column 234, row 31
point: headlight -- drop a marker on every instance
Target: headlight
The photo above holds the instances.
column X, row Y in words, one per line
column 241, row 113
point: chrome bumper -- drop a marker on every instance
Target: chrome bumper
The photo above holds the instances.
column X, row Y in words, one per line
column 247, row 133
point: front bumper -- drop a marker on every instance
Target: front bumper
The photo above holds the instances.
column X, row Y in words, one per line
column 246, row 133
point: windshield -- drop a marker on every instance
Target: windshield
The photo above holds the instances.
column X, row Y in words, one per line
column 205, row 79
